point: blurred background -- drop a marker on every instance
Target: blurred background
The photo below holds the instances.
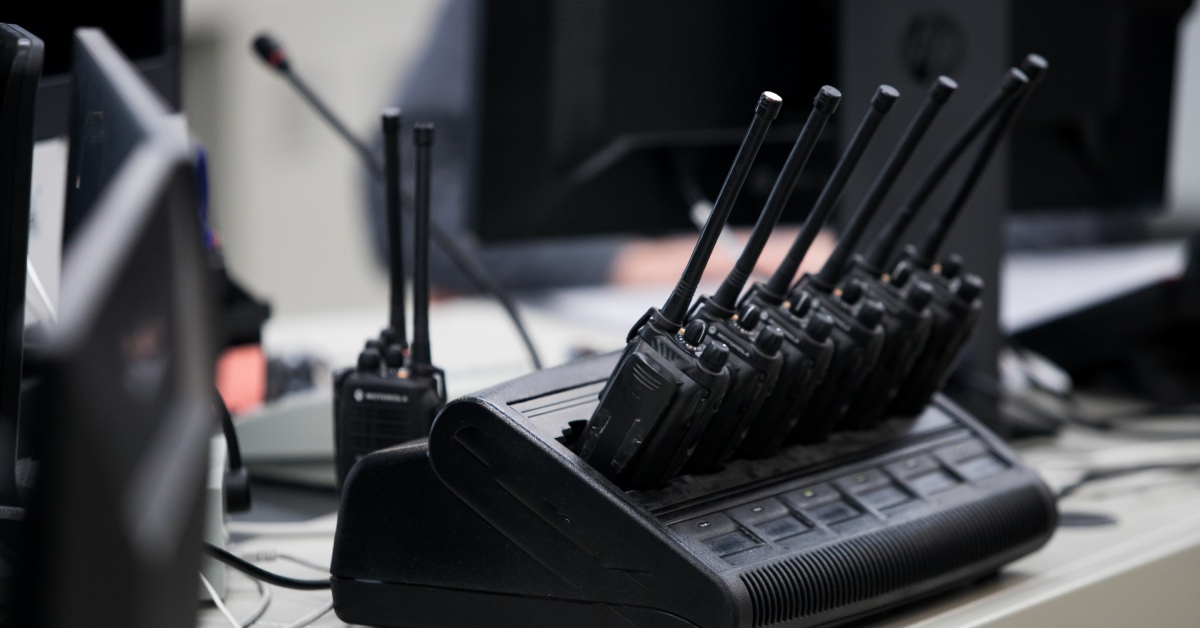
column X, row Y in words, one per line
column 287, row 193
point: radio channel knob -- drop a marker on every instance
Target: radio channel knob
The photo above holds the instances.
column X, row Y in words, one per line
column 919, row 296
column 819, row 327
column 869, row 314
column 374, row 344
column 901, row 275
column 967, row 287
column 951, row 266
column 801, row 306
column 693, row 334
column 714, row 356
column 749, row 316
column 369, row 360
column 769, row 340
column 394, row 355
column 852, row 292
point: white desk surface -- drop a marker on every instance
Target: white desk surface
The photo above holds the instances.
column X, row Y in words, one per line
column 1141, row 571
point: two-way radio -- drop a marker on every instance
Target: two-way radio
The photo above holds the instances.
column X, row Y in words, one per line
column 955, row 306
column 763, row 356
column 671, row 378
column 905, row 322
column 392, row 395
column 852, row 327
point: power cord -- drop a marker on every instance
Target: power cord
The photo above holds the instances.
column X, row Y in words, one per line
column 236, row 482
column 1095, row 475
column 254, row 571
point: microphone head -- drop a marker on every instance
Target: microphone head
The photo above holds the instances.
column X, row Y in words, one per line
column 1034, row 65
column 423, row 134
column 1013, row 80
column 271, row 52
column 943, row 88
column 768, row 105
column 884, row 98
column 827, row 100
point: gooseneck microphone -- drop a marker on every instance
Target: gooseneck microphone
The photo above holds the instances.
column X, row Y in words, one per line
column 272, row 52
column 677, row 303
column 421, row 358
column 941, row 91
column 881, row 103
column 275, row 56
column 885, row 243
column 824, row 105
column 1033, row 67
column 391, row 145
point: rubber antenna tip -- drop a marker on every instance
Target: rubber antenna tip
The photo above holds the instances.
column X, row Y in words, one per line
column 943, row 88
column 391, row 118
column 827, row 100
column 1014, row 80
column 768, row 105
column 1034, row 65
column 884, row 98
column 423, row 133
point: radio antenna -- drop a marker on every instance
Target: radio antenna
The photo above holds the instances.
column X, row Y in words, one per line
column 677, row 303
column 885, row 243
column 391, row 169
column 1033, row 67
column 825, row 103
column 941, row 91
column 422, row 361
column 881, row 103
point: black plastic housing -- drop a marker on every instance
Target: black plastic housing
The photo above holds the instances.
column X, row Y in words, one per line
column 753, row 377
column 495, row 521
column 906, row 331
column 380, row 408
column 953, row 322
column 655, row 406
column 806, row 361
column 856, row 349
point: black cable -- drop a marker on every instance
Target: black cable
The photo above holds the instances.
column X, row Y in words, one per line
column 236, row 482
column 231, row 439
column 254, row 571
column 1096, row 475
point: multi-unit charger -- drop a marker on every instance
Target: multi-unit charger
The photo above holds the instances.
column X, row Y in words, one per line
column 778, row 461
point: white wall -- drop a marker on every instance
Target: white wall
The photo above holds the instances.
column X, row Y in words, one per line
column 286, row 193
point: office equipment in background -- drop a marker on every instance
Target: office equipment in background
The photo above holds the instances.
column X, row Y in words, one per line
column 623, row 114
column 124, row 420
column 21, row 57
column 148, row 32
column 393, row 393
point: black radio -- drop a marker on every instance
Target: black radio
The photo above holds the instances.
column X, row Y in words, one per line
column 671, row 379
column 392, row 395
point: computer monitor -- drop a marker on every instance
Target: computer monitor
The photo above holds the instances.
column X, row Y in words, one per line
column 617, row 115
column 122, row 434
column 20, row 66
column 607, row 116
column 148, row 32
